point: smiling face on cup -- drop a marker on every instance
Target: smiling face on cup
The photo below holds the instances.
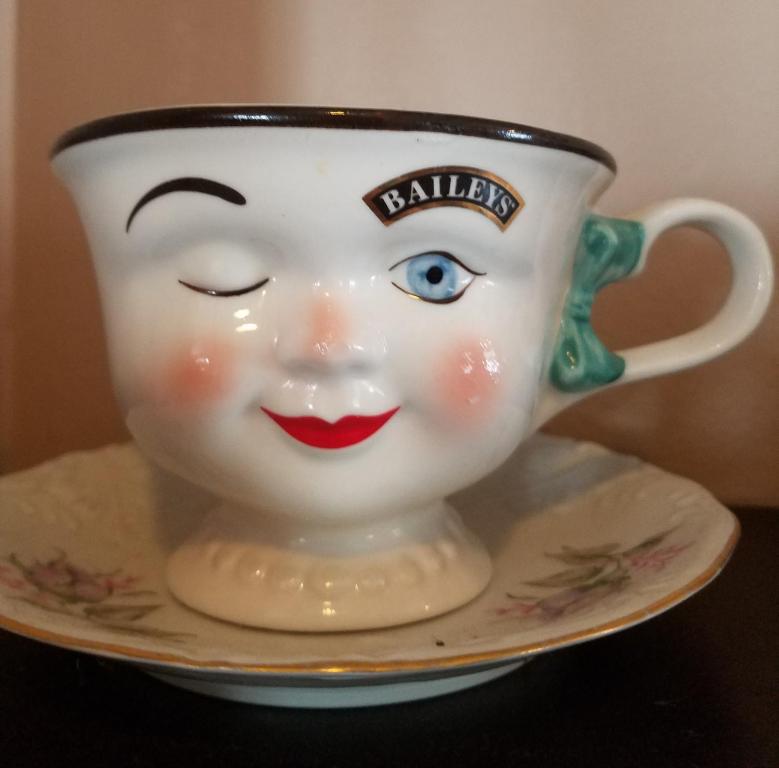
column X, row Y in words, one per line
column 329, row 322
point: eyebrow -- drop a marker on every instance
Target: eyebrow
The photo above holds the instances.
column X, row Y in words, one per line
column 187, row 184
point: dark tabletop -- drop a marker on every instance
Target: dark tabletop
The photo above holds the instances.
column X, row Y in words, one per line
column 695, row 687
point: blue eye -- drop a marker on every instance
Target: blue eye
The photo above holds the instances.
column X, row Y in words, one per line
column 435, row 276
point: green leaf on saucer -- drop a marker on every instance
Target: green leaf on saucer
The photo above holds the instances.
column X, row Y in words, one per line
column 572, row 577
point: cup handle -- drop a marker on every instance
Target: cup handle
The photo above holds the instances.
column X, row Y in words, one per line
column 615, row 249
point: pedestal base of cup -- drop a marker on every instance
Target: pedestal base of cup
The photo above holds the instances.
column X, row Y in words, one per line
column 336, row 579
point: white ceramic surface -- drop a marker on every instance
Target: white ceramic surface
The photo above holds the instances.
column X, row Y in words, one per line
column 585, row 542
column 333, row 325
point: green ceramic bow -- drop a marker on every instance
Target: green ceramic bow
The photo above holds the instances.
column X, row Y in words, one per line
column 609, row 250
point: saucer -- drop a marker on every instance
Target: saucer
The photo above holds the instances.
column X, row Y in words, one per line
column 585, row 542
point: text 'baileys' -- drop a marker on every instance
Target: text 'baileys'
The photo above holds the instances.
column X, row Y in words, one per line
column 460, row 186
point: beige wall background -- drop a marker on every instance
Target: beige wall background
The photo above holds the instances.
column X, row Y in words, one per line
column 7, row 98
column 683, row 93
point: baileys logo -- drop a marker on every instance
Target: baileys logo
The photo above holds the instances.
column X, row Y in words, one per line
column 460, row 186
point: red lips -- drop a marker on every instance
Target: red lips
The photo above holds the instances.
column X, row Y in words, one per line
column 348, row 430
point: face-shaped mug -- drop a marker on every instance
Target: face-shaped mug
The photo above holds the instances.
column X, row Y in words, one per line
column 333, row 319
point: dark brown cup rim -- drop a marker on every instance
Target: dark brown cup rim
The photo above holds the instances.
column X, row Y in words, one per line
column 226, row 115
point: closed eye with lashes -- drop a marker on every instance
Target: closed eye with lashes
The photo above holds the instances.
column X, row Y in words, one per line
column 224, row 293
column 437, row 277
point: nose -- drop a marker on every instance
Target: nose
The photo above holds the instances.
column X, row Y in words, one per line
column 330, row 335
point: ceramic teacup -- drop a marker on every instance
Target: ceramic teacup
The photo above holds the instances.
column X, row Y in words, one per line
column 333, row 319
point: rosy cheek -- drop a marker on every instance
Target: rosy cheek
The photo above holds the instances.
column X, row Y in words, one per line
column 198, row 374
column 469, row 378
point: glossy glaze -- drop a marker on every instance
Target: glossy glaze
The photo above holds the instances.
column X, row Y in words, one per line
column 259, row 116
column 609, row 250
column 263, row 321
column 89, row 523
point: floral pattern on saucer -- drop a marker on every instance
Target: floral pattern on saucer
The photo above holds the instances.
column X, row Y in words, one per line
column 109, row 600
column 592, row 575
column 584, row 542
